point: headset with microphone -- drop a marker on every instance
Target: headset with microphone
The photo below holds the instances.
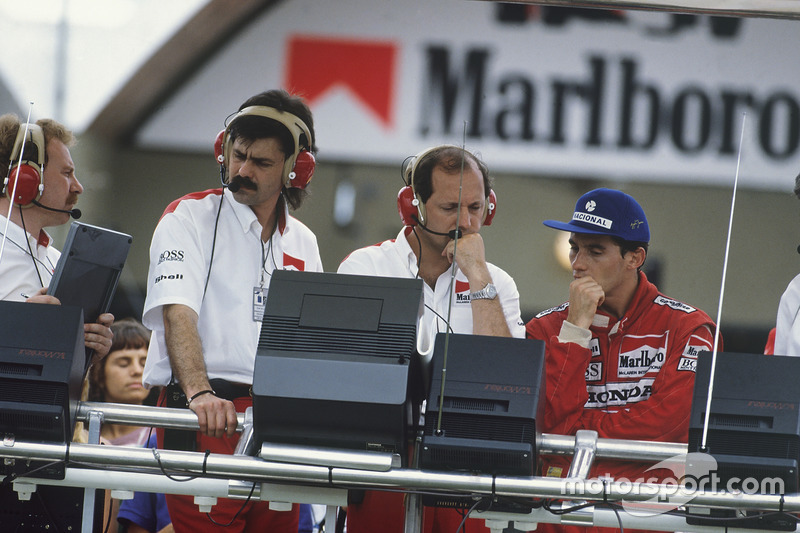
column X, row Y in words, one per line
column 25, row 178
column 410, row 205
column 298, row 169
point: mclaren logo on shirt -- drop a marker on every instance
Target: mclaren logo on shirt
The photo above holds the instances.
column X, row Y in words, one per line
column 641, row 354
column 462, row 292
column 688, row 360
column 611, row 394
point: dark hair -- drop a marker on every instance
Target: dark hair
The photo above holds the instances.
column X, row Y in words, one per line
column 449, row 159
column 129, row 334
column 252, row 128
column 630, row 246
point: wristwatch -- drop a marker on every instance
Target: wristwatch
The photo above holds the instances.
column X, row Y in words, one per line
column 489, row 292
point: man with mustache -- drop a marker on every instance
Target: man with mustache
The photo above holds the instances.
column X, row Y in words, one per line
column 43, row 196
column 211, row 260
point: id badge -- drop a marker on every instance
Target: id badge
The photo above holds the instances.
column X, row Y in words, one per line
column 259, row 302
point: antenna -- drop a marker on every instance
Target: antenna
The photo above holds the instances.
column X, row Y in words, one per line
column 8, row 177
column 452, row 284
column 703, row 445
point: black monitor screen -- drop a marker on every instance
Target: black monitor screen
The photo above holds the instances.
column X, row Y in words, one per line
column 753, row 429
column 336, row 363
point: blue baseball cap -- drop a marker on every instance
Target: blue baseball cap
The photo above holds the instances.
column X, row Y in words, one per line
column 607, row 212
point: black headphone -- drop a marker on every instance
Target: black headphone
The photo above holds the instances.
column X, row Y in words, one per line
column 25, row 178
column 410, row 205
column 298, row 169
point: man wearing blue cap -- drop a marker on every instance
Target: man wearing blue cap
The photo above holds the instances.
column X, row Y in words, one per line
column 621, row 356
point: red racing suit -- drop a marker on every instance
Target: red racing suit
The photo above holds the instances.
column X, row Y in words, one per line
column 630, row 378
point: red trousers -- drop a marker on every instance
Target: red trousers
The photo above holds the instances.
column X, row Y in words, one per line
column 384, row 512
column 255, row 516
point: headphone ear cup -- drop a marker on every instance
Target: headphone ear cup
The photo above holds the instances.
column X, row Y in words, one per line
column 219, row 155
column 219, row 149
column 303, row 170
column 28, row 183
column 491, row 208
column 406, row 206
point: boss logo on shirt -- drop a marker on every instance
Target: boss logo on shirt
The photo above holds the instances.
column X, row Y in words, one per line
column 594, row 372
column 171, row 255
column 688, row 364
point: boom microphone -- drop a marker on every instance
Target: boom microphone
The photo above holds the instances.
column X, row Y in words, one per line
column 453, row 234
column 74, row 213
column 237, row 182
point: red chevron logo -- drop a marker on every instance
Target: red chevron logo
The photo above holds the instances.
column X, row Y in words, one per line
column 364, row 68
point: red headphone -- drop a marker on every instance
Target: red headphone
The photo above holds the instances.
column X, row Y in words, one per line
column 411, row 207
column 25, row 178
column 298, row 168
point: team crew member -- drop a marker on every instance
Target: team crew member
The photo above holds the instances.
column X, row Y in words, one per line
column 211, row 259
column 787, row 328
column 45, row 190
column 620, row 356
column 484, row 299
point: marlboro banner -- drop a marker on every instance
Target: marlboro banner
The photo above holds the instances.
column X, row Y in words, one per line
column 536, row 89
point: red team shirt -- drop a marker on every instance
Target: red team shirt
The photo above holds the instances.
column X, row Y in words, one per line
column 634, row 380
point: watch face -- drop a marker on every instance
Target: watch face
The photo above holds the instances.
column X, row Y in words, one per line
column 491, row 291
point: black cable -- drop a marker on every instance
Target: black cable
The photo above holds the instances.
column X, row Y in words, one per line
column 213, row 242
column 619, row 518
column 30, row 250
column 15, row 475
column 229, row 524
column 157, row 456
column 450, row 329
column 463, row 523
column 419, row 244
column 205, row 460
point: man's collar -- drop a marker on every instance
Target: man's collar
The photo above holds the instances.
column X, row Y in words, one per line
column 247, row 217
column 16, row 231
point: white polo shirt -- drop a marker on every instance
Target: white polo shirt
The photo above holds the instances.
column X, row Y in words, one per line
column 787, row 328
column 18, row 278
column 180, row 257
column 394, row 258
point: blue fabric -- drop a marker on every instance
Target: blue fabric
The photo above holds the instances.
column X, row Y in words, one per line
column 306, row 519
column 146, row 509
